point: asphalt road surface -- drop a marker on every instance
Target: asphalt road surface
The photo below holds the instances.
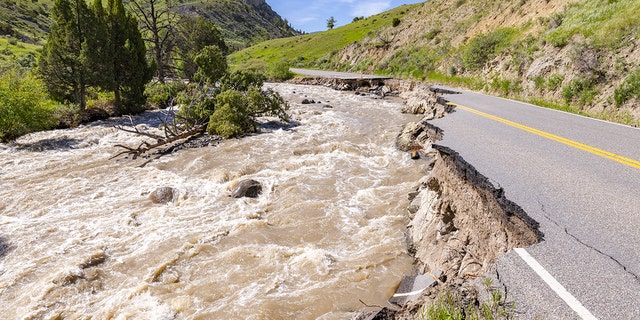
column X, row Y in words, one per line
column 580, row 179
column 335, row 74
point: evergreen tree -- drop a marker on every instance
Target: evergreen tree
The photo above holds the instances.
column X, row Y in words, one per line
column 67, row 57
column 130, row 71
column 212, row 65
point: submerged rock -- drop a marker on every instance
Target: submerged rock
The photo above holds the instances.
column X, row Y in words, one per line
column 162, row 195
column 247, row 188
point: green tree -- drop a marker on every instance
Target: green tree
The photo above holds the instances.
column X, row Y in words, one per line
column 193, row 35
column 212, row 65
column 331, row 23
column 242, row 80
column 236, row 111
column 130, row 71
column 66, row 62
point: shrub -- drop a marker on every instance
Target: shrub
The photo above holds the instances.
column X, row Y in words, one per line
column 539, row 83
column 24, row 105
column 630, row 88
column 162, row 95
column 279, row 70
column 236, row 111
column 432, row 34
column 506, row 87
column 483, row 48
column 581, row 90
column 395, row 22
column 554, row 81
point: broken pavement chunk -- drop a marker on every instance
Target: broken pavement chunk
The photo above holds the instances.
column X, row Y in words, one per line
column 412, row 286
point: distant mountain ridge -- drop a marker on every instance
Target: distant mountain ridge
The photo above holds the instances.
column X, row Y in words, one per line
column 242, row 22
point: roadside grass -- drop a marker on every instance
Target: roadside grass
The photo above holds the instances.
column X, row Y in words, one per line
column 311, row 49
column 451, row 305
column 617, row 116
column 471, row 83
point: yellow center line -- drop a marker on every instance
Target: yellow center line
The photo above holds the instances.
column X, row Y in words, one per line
column 578, row 145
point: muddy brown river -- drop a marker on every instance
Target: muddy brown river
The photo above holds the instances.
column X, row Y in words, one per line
column 79, row 237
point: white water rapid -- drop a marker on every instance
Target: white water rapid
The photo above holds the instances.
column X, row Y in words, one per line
column 80, row 239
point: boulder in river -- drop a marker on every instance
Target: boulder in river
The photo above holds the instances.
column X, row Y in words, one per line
column 163, row 195
column 247, row 188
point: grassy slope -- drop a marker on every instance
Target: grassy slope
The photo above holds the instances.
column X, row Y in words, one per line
column 10, row 50
column 314, row 49
column 491, row 45
column 25, row 19
column 605, row 23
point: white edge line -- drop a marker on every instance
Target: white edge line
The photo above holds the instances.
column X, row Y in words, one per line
column 413, row 293
column 568, row 298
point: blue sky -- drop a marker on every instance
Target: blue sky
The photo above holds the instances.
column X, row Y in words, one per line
column 311, row 16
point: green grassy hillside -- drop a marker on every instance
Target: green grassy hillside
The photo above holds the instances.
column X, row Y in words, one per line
column 316, row 50
column 27, row 20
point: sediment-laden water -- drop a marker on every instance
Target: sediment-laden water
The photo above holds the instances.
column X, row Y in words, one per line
column 79, row 237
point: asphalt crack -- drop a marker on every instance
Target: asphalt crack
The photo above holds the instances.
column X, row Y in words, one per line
column 578, row 240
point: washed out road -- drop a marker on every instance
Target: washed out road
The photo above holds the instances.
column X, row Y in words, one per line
column 580, row 179
column 335, row 74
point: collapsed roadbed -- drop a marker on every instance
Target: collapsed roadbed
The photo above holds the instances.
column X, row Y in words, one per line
column 460, row 221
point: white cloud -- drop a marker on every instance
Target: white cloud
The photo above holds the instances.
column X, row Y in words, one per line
column 367, row 9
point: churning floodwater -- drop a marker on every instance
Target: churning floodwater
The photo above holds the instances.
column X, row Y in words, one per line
column 79, row 237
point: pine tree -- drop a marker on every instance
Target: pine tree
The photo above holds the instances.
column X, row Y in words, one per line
column 130, row 71
column 66, row 59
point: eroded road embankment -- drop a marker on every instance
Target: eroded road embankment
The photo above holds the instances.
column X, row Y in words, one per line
column 460, row 221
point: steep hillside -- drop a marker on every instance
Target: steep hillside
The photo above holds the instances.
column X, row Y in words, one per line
column 243, row 22
column 25, row 20
column 579, row 56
